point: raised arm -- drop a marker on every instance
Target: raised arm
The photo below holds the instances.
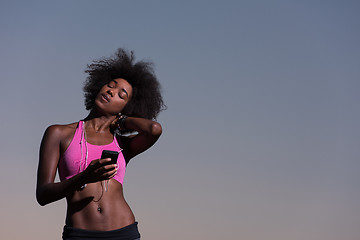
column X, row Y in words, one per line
column 148, row 133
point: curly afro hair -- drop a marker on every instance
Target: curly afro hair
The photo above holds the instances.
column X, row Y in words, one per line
column 146, row 101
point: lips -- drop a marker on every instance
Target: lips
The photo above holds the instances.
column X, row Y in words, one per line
column 106, row 97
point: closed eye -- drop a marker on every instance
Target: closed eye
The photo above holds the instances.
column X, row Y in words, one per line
column 125, row 92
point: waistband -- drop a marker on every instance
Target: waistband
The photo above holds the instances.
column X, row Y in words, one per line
column 129, row 232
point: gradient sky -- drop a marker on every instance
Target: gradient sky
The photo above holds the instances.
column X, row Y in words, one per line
column 261, row 135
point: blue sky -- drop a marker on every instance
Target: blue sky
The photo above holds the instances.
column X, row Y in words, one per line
column 261, row 135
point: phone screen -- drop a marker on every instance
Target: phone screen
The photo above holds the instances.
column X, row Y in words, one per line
column 110, row 154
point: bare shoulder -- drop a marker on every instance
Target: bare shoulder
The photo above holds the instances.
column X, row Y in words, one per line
column 62, row 132
column 60, row 135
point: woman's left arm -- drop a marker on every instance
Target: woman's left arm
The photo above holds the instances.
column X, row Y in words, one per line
column 148, row 133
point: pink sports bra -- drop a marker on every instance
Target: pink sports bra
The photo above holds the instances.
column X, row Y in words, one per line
column 80, row 153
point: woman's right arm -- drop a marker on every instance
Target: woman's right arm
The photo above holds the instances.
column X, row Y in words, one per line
column 46, row 190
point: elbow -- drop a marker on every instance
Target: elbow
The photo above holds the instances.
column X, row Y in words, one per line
column 156, row 129
column 40, row 198
column 41, row 201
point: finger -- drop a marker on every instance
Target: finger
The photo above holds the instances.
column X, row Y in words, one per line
column 113, row 123
column 104, row 160
column 113, row 174
column 106, row 170
column 99, row 162
column 109, row 167
column 94, row 162
column 108, row 174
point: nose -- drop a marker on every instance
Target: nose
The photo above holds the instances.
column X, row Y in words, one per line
column 110, row 92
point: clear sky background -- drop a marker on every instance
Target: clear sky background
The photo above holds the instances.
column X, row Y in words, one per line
column 261, row 137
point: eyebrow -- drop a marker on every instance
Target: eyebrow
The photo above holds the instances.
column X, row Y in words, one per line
column 122, row 88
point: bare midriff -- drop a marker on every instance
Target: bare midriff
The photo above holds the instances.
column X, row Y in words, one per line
column 94, row 208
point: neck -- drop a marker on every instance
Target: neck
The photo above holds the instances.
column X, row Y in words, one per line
column 99, row 123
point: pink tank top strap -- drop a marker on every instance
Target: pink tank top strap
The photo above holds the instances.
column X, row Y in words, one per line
column 78, row 136
column 117, row 143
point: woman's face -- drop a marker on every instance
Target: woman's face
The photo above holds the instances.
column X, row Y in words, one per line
column 113, row 97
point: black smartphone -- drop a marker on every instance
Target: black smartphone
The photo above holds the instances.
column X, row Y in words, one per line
column 110, row 154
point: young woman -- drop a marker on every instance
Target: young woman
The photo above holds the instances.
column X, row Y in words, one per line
column 123, row 97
